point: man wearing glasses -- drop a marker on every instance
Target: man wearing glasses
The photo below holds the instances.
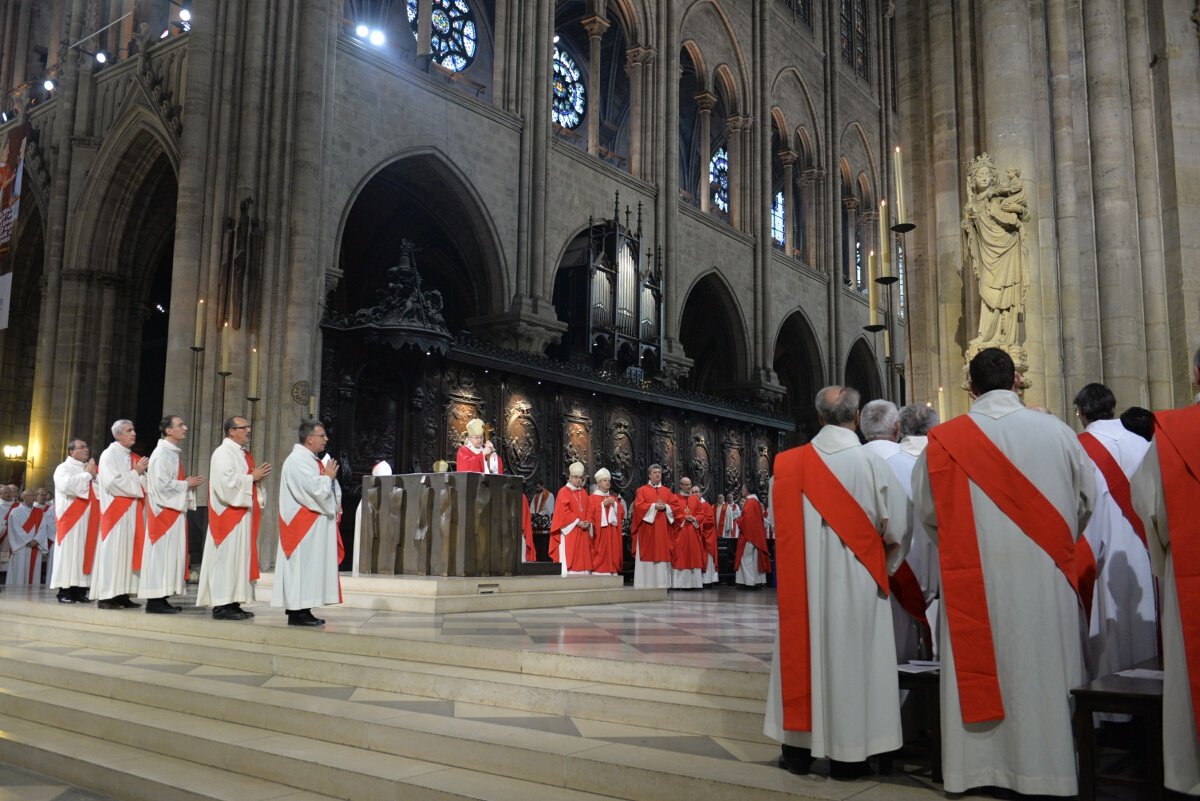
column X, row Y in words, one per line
column 236, row 497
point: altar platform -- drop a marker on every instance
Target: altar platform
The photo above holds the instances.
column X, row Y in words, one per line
column 655, row 700
column 454, row 594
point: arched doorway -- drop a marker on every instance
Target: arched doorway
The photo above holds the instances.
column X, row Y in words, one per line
column 798, row 365
column 862, row 373
column 713, row 337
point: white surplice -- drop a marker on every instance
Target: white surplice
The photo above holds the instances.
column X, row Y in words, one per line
column 1181, row 746
column 112, row 574
column 225, row 568
column 71, row 483
column 26, row 559
column 309, row 577
column 1037, row 622
column 46, row 536
column 922, row 556
column 164, row 562
column 1123, row 628
column 855, row 686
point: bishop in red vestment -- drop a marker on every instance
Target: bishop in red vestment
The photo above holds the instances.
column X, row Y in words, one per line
column 571, row 524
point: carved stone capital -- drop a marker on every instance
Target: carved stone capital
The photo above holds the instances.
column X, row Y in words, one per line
column 595, row 25
column 519, row 330
column 850, row 202
column 812, row 175
column 869, row 217
column 706, row 101
column 739, row 123
column 639, row 56
column 676, row 364
column 788, row 157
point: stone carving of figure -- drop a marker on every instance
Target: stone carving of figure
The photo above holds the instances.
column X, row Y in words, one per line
column 994, row 247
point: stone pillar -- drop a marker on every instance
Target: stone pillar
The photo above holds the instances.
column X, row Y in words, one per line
column 8, row 41
column 849, row 237
column 424, row 33
column 54, row 43
column 869, row 235
column 788, row 159
column 810, row 207
column 595, row 27
column 705, row 102
column 635, row 58
column 21, row 42
column 738, row 127
column 1118, row 260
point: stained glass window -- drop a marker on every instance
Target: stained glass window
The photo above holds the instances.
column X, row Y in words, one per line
column 718, row 179
column 569, row 102
column 454, row 35
column 862, row 60
column 847, row 32
column 777, row 219
column 858, row 265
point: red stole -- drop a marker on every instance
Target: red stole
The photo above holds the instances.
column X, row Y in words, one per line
column 71, row 518
column 801, row 473
column 959, row 453
column 117, row 509
column 906, row 589
column 1118, row 482
column 1177, row 439
column 527, row 529
column 220, row 525
column 754, row 531
column 161, row 523
column 292, row 532
column 719, row 521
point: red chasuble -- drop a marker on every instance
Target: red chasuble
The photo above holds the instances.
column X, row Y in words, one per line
column 708, row 532
column 570, row 505
column 468, row 461
column 687, row 547
column 959, row 453
column 654, row 539
column 606, row 542
column 754, row 531
column 527, row 530
column 1177, row 439
column 801, row 473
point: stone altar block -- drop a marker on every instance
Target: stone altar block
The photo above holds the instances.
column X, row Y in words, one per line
column 440, row 524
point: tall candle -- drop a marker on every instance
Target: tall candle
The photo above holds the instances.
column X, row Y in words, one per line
column 312, row 405
column 224, row 367
column 253, row 391
column 941, row 405
column 901, row 215
column 872, row 287
column 885, row 237
column 887, row 345
column 198, row 342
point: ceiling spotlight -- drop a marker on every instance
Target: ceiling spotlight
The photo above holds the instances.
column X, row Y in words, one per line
column 556, row 38
column 185, row 15
column 102, row 57
column 362, row 31
column 49, row 84
column 3, row 116
column 377, row 38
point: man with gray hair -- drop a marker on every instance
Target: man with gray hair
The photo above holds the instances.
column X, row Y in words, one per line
column 122, row 520
column 915, row 421
column 842, row 523
column 1164, row 490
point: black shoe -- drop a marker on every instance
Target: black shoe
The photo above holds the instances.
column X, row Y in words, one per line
column 796, row 760
column 159, row 606
column 302, row 617
column 64, row 597
column 848, row 770
column 126, row 603
column 236, row 607
column 80, row 594
column 229, row 612
column 109, row 603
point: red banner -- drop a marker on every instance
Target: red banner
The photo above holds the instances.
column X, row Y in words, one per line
column 12, row 156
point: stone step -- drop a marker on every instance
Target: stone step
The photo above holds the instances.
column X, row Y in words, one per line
column 692, row 713
column 338, row 644
column 329, row 745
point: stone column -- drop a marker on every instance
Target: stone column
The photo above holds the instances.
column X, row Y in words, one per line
column 424, row 33
column 54, row 40
column 21, row 42
column 635, row 57
column 810, row 206
column 1118, row 260
column 849, row 237
column 788, row 159
column 705, row 102
column 595, row 27
column 738, row 127
column 869, row 237
column 8, row 41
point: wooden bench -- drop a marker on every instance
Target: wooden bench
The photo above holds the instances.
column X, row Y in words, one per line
column 1140, row 697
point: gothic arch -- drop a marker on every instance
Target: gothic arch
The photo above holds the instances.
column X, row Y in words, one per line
column 789, row 91
column 798, row 363
column 862, row 371
column 706, row 21
column 421, row 195
column 856, row 148
column 713, row 332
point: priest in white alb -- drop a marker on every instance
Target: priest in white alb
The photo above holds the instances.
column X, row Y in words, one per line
column 842, row 523
column 306, row 563
column 25, row 564
column 1005, row 493
column 236, row 497
column 46, row 533
column 8, row 500
column 122, row 520
column 77, row 527
column 170, row 494
column 751, row 559
column 1164, row 489
column 1123, row 629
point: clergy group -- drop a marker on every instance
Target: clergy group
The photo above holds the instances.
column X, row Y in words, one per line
column 1033, row 551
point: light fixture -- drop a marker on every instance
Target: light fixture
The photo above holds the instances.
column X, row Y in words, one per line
column 3, row 116
column 185, row 14
column 14, row 452
column 101, row 57
column 362, row 31
column 556, row 38
column 377, row 38
column 165, row 34
column 49, row 84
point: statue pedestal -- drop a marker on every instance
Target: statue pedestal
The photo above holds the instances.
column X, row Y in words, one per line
column 1016, row 352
